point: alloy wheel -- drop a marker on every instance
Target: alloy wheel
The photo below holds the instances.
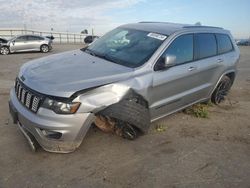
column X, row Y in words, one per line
column 5, row 50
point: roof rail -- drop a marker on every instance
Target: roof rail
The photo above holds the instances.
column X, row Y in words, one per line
column 154, row 22
column 163, row 23
column 184, row 25
column 201, row 26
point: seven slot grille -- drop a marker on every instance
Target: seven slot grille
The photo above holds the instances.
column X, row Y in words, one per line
column 27, row 97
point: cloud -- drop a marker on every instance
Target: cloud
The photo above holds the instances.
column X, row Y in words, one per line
column 62, row 15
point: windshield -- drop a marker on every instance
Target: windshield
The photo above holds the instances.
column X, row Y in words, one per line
column 128, row 47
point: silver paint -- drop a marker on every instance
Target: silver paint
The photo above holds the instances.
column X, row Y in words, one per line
column 100, row 83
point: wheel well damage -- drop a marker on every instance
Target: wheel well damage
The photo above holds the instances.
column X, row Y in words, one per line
column 231, row 75
column 118, row 109
column 130, row 111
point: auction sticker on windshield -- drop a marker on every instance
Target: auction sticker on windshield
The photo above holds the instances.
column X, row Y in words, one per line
column 157, row 36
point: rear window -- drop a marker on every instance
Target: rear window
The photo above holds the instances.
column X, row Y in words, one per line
column 224, row 43
column 205, row 45
column 34, row 38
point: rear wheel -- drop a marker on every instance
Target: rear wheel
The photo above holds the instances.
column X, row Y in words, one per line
column 44, row 48
column 4, row 50
column 221, row 90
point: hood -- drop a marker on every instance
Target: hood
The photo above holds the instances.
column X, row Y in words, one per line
column 66, row 73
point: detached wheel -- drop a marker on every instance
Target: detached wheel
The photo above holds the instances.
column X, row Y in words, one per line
column 128, row 131
column 130, row 118
column 45, row 48
column 221, row 90
column 4, row 50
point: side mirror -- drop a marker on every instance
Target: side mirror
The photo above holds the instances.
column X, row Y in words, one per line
column 169, row 60
column 13, row 42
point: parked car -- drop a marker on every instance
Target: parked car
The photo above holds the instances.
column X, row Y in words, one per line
column 89, row 39
column 25, row 43
column 243, row 43
column 130, row 77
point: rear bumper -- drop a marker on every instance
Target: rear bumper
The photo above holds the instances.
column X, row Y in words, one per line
column 70, row 128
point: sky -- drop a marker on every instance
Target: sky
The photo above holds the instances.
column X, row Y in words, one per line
column 104, row 15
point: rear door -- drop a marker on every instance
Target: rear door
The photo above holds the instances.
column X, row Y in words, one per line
column 227, row 51
column 34, row 42
column 209, row 62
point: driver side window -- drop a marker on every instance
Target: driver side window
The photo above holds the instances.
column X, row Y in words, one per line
column 181, row 49
column 21, row 39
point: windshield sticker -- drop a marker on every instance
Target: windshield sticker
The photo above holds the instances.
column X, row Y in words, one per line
column 157, row 36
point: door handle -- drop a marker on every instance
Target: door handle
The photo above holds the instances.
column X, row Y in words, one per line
column 219, row 60
column 192, row 68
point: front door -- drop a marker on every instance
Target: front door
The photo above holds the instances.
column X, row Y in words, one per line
column 19, row 44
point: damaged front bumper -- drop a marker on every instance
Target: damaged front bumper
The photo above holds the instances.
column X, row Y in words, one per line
column 54, row 132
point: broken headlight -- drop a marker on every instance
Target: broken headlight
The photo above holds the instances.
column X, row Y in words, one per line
column 60, row 107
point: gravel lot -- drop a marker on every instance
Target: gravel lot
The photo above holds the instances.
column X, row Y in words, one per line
column 189, row 152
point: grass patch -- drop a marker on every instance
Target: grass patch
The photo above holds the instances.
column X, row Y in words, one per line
column 160, row 128
column 198, row 110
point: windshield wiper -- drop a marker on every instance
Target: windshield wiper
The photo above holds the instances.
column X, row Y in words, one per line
column 91, row 52
column 103, row 56
column 106, row 57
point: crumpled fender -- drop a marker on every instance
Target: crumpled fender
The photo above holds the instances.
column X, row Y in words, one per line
column 101, row 97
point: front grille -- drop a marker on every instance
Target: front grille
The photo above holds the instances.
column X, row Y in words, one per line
column 27, row 97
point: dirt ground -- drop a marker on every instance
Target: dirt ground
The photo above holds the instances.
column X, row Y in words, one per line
column 188, row 152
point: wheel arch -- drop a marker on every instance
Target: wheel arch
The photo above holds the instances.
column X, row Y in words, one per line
column 44, row 44
column 132, row 108
column 230, row 73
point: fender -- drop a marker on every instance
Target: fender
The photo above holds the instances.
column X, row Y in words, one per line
column 225, row 73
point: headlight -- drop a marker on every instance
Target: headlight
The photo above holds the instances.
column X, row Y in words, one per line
column 61, row 107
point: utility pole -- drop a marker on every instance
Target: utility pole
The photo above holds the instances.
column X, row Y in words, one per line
column 25, row 28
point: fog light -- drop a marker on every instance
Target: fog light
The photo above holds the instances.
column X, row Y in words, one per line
column 51, row 134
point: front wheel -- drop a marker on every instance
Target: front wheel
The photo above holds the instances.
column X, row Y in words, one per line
column 221, row 90
column 4, row 50
column 44, row 48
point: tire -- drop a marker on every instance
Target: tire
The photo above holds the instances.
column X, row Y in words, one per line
column 221, row 90
column 44, row 48
column 4, row 50
column 133, row 118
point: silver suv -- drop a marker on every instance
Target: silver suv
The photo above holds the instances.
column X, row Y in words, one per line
column 25, row 43
column 130, row 77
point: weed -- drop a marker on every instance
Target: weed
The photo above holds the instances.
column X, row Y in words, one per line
column 160, row 128
column 198, row 110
